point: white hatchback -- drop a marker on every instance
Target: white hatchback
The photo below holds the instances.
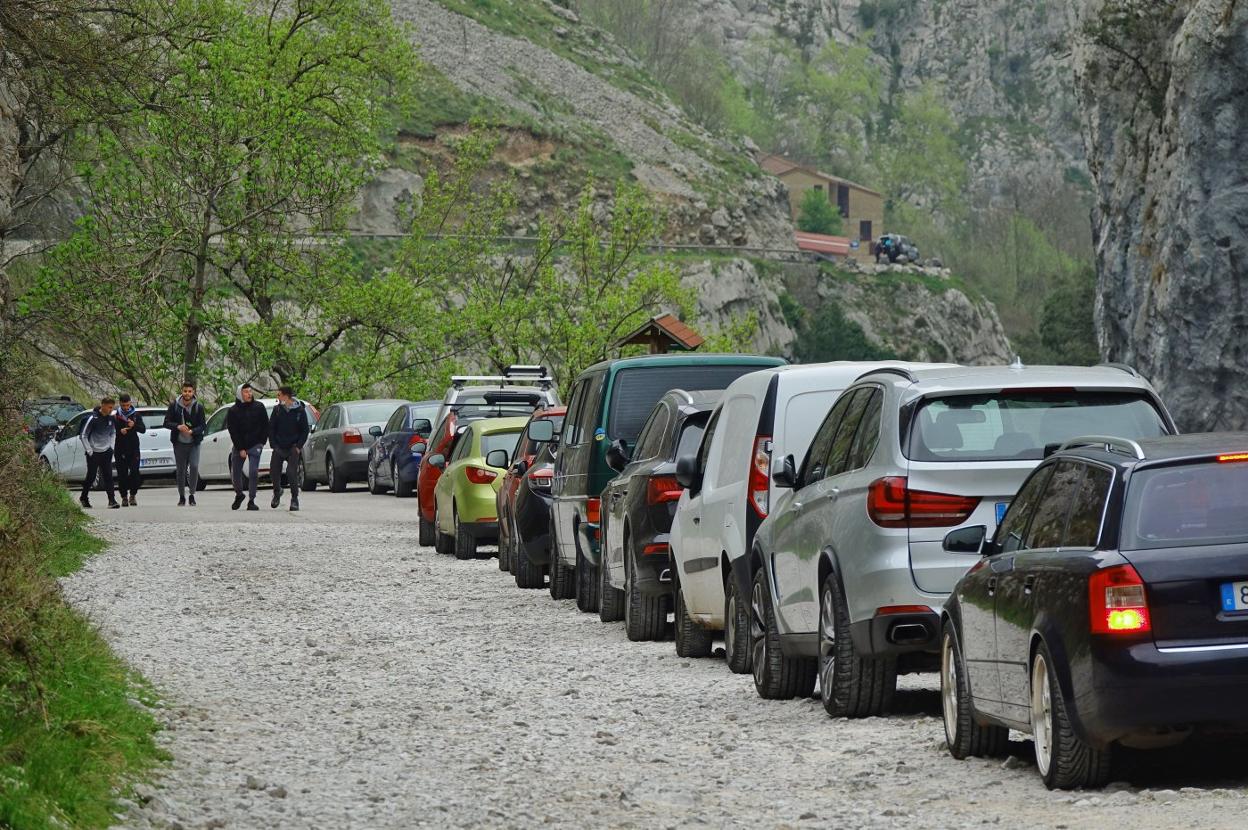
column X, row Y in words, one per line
column 214, row 457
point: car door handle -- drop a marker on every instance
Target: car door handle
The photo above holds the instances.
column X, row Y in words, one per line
column 992, row 586
column 1029, row 584
column 697, row 520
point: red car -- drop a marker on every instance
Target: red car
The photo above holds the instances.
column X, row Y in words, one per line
column 526, row 452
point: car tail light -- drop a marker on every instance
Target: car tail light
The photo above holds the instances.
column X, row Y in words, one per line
column 1117, row 601
column 593, row 511
column 414, row 440
column 887, row 610
column 662, row 489
column 1232, row 457
column 891, row 503
column 480, row 475
column 541, row 479
column 760, row 476
column 352, row 436
column 655, row 549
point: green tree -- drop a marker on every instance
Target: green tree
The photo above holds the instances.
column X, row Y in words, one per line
column 816, row 214
column 829, row 335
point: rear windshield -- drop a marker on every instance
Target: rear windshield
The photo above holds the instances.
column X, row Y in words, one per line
column 367, row 413
column 500, row 441
column 1196, row 504
column 636, row 391
column 1008, row 426
column 476, row 413
column 690, row 437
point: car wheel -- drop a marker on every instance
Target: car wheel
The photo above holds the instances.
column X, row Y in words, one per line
column 426, row 535
column 776, row 677
column 504, row 547
column 375, row 487
column 443, row 542
column 692, row 640
column 645, row 616
column 610, row 599
column 851, row 686
column 402, row 489
column 965, row 737
column 465, row 543
column 527, row 574
column 737, row 649
column 586, row 584
column 305, row 483
column 562, row 578
column 334, row 479
column 1064, row 760
column 47, row 465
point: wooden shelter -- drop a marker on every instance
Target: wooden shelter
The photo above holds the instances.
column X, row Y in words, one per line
column 661, row 335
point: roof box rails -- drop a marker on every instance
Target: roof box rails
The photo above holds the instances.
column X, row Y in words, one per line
column 512, row 375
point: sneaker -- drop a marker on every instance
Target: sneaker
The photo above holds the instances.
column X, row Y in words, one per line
column 251, row 505
column 134, row 502
column 181, row 501
column 85, row 503
column 276, row 501
column 112, row 505
column 294, row 505
column 192, row 501
column 238, row 501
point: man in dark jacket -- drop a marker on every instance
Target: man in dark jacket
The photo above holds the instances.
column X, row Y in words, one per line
column 128, row 424
column 248, row 425
column 288, row 430
column 99, row 432
column 185, row 420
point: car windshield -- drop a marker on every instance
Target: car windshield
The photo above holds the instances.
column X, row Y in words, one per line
column 1009, row 426
column 500, row 441
column 368, row 413
column 636, row 391
column 476, row 413
column 1195, row 504
column 690, row 437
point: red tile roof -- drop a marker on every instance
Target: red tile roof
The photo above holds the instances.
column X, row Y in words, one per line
column 822, row 244
column 665, row 325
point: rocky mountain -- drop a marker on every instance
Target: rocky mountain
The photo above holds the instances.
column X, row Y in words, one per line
column 1162, row 84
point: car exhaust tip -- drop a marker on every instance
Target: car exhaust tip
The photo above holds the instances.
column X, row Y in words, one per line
column 908, row 634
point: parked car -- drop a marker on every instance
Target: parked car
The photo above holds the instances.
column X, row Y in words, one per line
column 42, row 417
column 337, row 450
column 216, row 457
column 530, row 513
column 610, row 402
column 763, row 416
column 63, row 454
column 895, row 248
column 465, row 512
column 1109, row 609
column 518, row 392
column 509, row 556
column 394, row 458
column 850, row 570
column 637, row 510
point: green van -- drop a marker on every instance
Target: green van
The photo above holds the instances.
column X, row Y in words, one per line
column 610, row 402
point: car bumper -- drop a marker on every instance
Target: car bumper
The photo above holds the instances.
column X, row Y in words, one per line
column 894, row 634
column 353, row 463
column 477, row 503
column 589, row 537
column 481, row 531
column 407, row 466
column 653, row 572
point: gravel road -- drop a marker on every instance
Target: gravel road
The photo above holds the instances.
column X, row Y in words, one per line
column 320, row 670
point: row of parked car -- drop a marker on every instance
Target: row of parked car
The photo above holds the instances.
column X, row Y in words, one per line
column 1041, row 537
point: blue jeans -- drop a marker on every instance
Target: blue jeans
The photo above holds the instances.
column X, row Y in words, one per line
column 253, row 470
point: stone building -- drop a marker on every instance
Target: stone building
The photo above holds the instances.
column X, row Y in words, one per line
column 861, row 208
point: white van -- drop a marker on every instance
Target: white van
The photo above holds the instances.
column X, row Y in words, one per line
column 728, row 491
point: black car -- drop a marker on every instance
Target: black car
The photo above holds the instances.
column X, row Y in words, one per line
column 530, row 515
column 1110, row 608
column 42, row 417
column 637, row 510
column 394, row 458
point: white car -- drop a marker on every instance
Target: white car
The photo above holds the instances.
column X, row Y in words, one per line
column 64, row 454
column 215, row 452
column 768, row 414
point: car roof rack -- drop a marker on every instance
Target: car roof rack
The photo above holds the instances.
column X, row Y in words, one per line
column 1122, row 446
column 511, row 376
column 887, row 370
column 1122, row 367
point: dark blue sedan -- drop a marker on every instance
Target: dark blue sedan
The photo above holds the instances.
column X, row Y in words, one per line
column 394, row 458
column 1110, row 609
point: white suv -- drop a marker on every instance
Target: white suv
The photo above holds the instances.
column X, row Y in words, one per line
column 850, row 570
column 763, row 415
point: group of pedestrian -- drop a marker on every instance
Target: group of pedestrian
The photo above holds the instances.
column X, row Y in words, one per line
column 111, row 433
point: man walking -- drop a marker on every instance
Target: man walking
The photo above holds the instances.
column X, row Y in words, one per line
column 248, row 424
column 97, row 436
column 128, row 424
column 288, row 430
column 185, row 421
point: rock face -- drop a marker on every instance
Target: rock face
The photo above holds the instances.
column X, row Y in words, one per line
column 1165, row 140
column 734, row 288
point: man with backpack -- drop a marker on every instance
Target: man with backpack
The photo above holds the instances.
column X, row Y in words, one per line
column 288, row 430
column 248, row 425
column 185, row 419
column 99, row 432
column 126, row 451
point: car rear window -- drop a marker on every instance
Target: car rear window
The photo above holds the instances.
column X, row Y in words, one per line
column 1195, row 504
column 367, row 413
column 500, row 441
column 636, row 391
column 1008, row 426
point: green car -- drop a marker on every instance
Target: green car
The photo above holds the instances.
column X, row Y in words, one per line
column 472, row 471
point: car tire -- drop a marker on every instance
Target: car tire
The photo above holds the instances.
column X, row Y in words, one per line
column 444, row 543
column 334, row 479
column 504, row 548
column 374, row 486
column 610, row 599
column 737, row 651
column 645, row 616
column 776, row 677
column 692, row 640
column 305, row 483
column 426, row 534
column 527, row 574
column 965, row 737
column 562, row 578
column 465, row 545
column 586, row 584
column 1064, row 760
column 402, row 489
column 850, row 685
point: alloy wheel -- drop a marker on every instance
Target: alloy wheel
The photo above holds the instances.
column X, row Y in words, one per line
column 827, row 643
column 730, row 630
column 329, row 472
column 394, row 478
column 758, row 632
column 1042, row 713
column 372, row 478
column 949, row 688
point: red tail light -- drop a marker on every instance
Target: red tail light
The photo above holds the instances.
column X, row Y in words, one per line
column 1117, row 602
column 541, row 478
column 593, row 511
column 655, row 549
column 1232, row 457
column 891, row 503
column 887, row 610
column 662, row 489
column 760, row 476
column 480, row 475
column 351, row 435
column 414, row 440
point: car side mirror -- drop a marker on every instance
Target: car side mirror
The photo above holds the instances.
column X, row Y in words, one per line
column 541, row 431
column 687, row 472
column 786, row 476
column 437, row 460
column 375, row 431
column 420, row 447
column 497, row 458
column 422, row 426
column 618, row 455
column 966, row 540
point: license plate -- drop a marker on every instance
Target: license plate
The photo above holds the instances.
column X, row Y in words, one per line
column 155, row 462
column 1002, row 506
column 1235, row 596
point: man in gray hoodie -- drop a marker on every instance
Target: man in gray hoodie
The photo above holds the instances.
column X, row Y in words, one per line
column 99, row 432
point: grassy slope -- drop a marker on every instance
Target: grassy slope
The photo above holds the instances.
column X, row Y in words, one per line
column 72, row 735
